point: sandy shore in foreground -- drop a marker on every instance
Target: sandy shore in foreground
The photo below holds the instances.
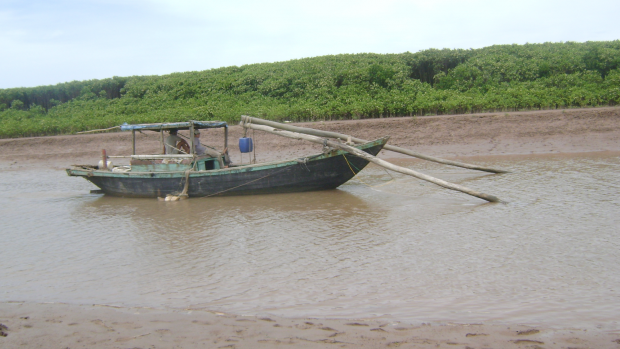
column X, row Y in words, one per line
column 31, row 325
column 73, row 326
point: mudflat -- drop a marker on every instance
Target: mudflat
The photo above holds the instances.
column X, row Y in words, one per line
column 449, row 136
column 44, row 325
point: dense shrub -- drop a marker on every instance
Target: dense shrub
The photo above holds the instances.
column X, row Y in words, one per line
column 348, row 86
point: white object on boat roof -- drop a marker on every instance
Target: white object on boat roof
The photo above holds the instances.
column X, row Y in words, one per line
column 109, row 165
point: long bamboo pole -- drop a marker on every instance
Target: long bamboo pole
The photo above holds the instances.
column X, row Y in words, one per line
column 99, row 130
column 319, row 133
column 372, row 159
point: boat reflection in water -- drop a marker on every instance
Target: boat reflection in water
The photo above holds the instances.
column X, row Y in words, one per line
column 206, row 227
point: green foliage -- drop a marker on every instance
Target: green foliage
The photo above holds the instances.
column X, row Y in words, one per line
column 61, row 93
column 17, row 104
column 348, row 86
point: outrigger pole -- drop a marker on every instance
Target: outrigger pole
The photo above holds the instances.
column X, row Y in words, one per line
column 347, row 138
column 249, row 122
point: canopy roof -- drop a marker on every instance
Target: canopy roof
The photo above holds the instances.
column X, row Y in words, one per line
column 178, row 125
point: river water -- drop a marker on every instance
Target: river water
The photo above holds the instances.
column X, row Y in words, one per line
column 380, row 246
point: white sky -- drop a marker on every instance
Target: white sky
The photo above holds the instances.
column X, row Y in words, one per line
column 44, row 42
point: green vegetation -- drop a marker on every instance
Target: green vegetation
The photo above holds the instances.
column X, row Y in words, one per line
column 348, row 86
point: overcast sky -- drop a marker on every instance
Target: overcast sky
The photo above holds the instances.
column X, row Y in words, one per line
column 52, row 41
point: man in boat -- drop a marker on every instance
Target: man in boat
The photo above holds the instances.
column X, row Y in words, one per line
column 201, row 149
column 174, row 144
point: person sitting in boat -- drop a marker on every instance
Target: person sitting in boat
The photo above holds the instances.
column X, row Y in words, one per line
column 175, row 144
column 202, row 150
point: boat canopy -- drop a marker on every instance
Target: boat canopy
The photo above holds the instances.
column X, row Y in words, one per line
column 185, row 125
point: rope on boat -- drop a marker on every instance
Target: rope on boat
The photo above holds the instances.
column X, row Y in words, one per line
column 288, row 168
column 254, row 144
column 186, row 186
column 358, row 170
column 304, row 161
column 384, row 169
column 252, row 181
column 183, row 194
column 354, row 174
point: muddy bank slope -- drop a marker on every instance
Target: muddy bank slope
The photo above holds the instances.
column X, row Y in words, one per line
column 450, row 136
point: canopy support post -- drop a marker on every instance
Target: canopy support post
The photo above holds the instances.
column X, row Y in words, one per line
column 161, row 141
column 191, row 138
column 133, row 142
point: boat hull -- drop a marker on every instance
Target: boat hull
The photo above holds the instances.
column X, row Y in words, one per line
column 318, row 172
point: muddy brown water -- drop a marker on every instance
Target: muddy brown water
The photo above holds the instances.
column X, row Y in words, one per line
column 380, row 246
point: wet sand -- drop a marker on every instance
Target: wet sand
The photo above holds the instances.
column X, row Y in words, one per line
column 72, row 326
column 31, row 325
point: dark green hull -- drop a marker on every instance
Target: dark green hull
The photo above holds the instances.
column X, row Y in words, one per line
column 318, row 172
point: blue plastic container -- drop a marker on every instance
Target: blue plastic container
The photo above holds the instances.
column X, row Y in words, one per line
column 246, row 145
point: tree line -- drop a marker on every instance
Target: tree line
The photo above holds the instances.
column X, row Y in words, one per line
column 335, row 87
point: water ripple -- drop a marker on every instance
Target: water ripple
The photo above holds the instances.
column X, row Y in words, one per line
column 401, row 246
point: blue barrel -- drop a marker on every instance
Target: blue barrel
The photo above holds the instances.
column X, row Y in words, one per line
column 246, row 145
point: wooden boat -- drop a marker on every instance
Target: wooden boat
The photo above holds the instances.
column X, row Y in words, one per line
column 193, row 175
